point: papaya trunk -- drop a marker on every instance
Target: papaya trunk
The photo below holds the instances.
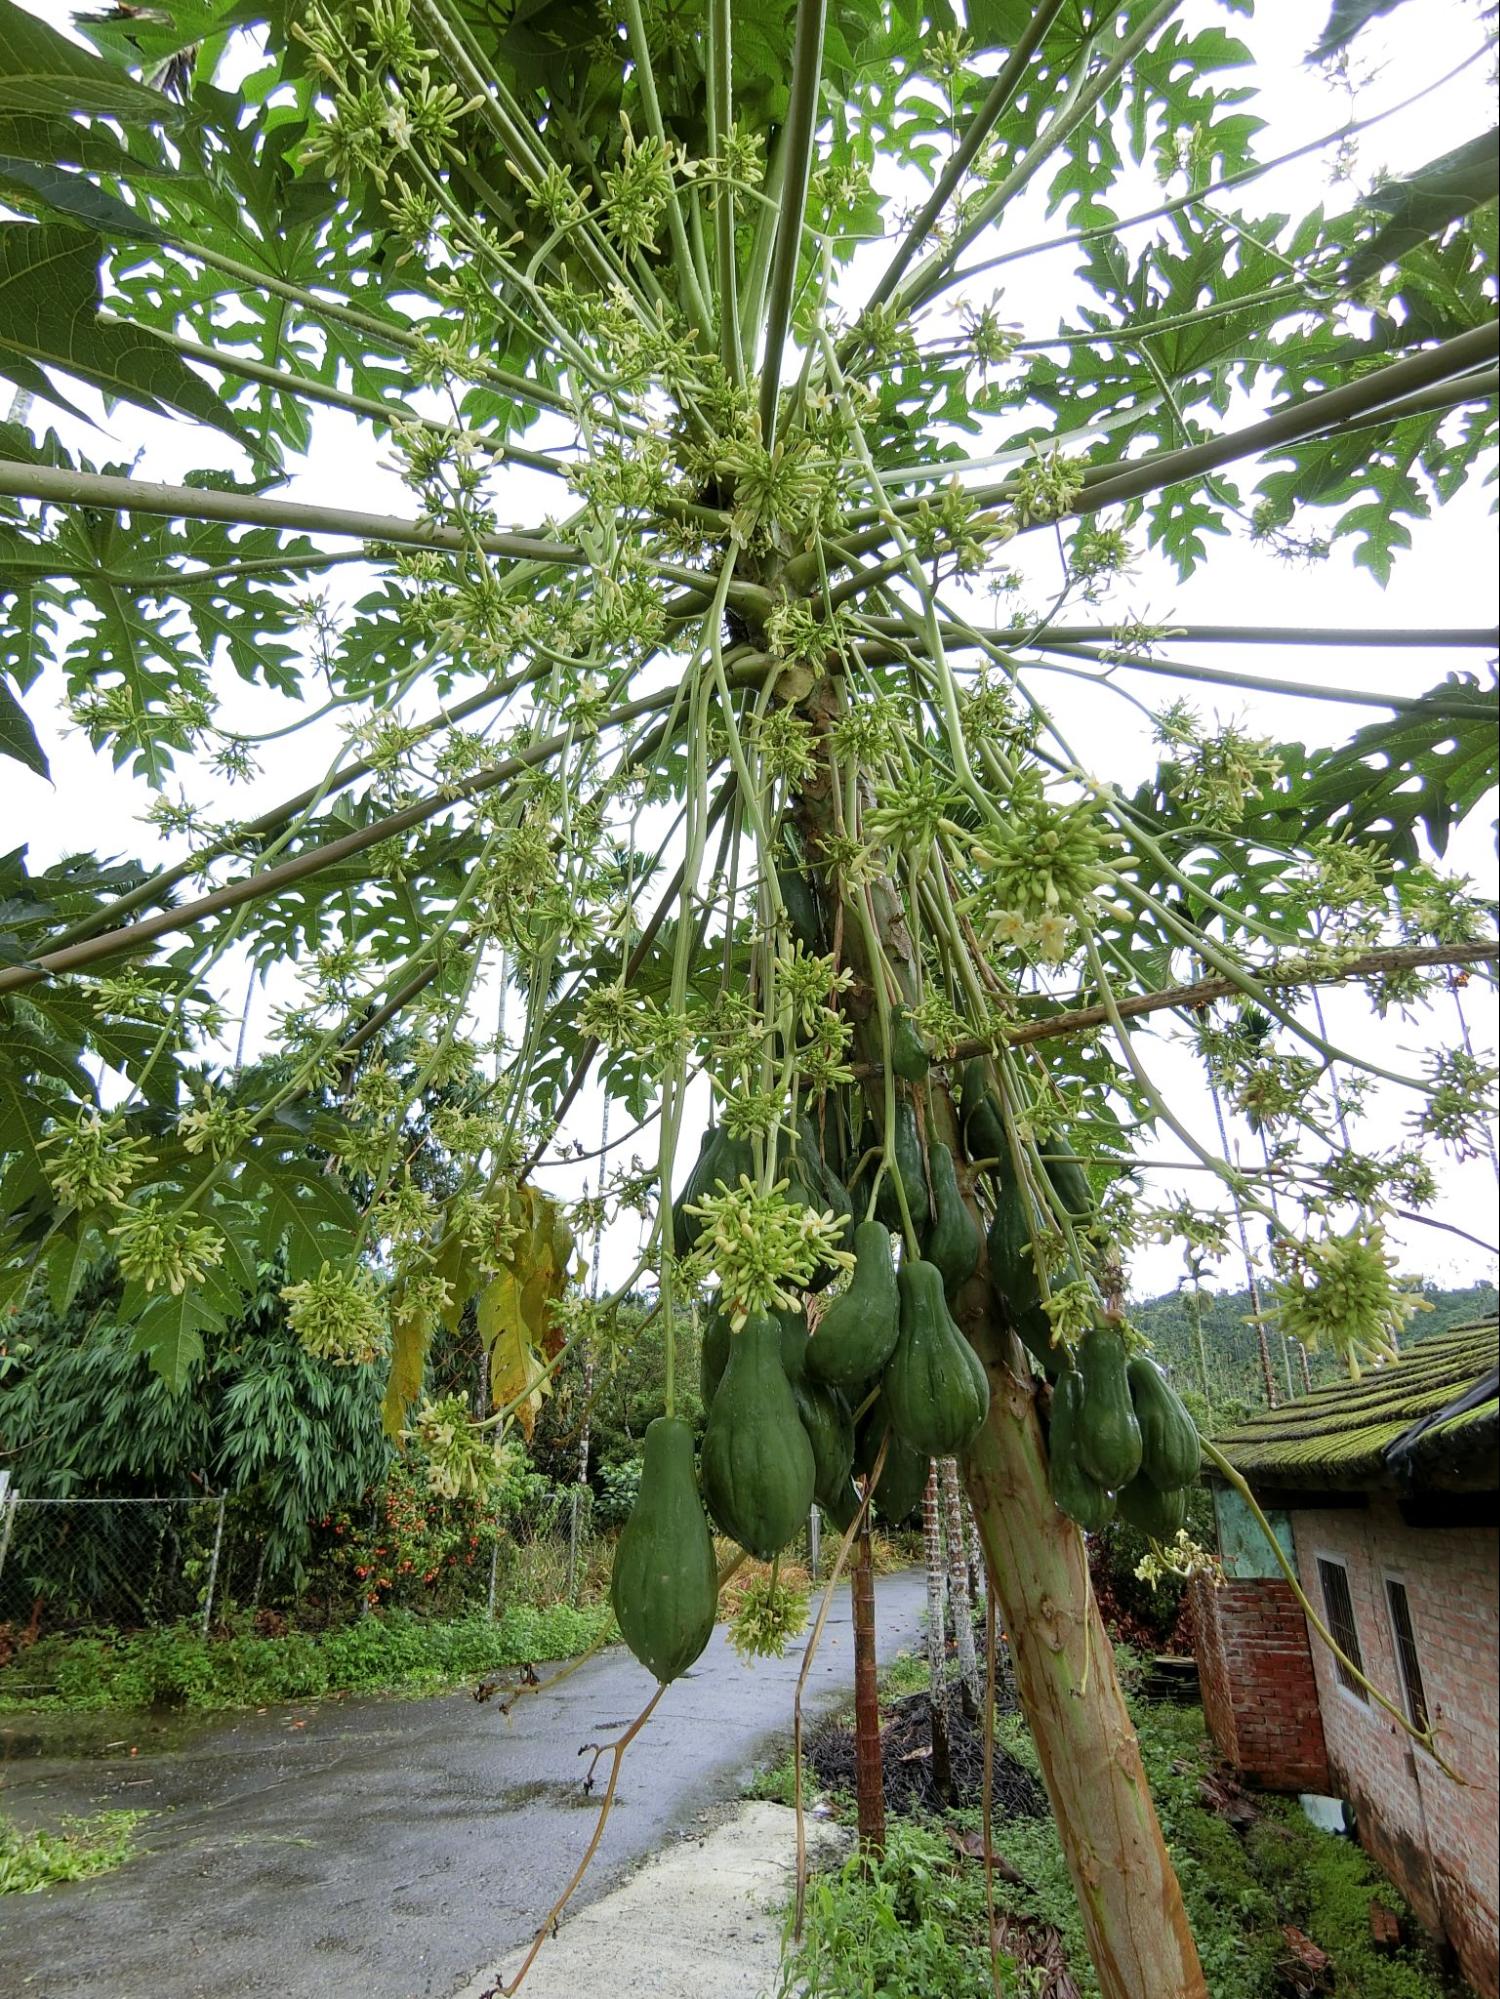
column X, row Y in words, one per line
column 1128, row 1893
column 869, row 1768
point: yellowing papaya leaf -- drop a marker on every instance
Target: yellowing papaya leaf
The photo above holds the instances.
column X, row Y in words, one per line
column 517, row 1371
column 515, row 1308
column 411, row 1335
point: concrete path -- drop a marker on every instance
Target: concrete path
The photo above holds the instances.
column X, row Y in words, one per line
column 660, row 1936
column 388, row 1849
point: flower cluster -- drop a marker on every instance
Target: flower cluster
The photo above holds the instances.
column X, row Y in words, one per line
column 339, row 1315
column 771, row 1614
column 461, row 1457
column 1341, row 1292
column 91, row 1161
column 763, row 1249
column 164, row 1249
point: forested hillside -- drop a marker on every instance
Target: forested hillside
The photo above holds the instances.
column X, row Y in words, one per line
column 1230, row 1351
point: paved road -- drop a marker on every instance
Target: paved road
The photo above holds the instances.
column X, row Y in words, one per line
column 387, row 1849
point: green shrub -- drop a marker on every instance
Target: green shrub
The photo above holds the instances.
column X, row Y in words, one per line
column 177, row 1667
column 912, row 1923
column 1239, row 1890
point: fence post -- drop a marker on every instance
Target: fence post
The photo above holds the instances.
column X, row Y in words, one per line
column 213, row 1565
column 9, row 1501
column 814, row 1542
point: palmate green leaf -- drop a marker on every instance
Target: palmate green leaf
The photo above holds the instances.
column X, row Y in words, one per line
column 18, row 739
column 1415, row 769
column 50, row 191
column 49, row 312
column 1345, row 20
column 42, row 72
column 1425, row 203
column 169, row 1330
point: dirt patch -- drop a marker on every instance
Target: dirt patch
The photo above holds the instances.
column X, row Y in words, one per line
column 906, row 1742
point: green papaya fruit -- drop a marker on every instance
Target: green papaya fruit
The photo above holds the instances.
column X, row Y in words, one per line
column 984, row 1128
column 858, row 1331
column 830, row 1431
column 801, row 907
column 713, row 1355
column 827, row 1190
column 1109, row 1437
column 936, row 1390
column 909, row 1056
column 903, row 1480
column 1069, row 1181
column 1034, row 1330
column 721, row 1160
column 1170, row 1452
column 794, row 1343
column 842, row 1506
column 1151, row 1509
column 1013, row 1275
column 1074, row 1491
column 665, row 1585
column 953, row 1237
column 758, row 1468
column 907, row 1160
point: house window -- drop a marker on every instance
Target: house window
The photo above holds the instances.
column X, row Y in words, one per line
column 1406, row 1653
column 1340, row 1608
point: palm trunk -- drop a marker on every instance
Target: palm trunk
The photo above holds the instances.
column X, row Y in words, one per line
column 937, row 1659
column 869, row 1768
column 960, row 1601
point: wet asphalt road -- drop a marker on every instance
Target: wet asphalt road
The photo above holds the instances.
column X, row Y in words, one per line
column 385, row 1849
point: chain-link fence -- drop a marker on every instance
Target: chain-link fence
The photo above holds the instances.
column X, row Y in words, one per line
column 69, row 1563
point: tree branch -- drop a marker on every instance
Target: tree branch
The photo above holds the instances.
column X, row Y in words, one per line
column 1079, row 1020
column 1334, row 408
column 801, row 126
column 993, row 109
column 58, row 487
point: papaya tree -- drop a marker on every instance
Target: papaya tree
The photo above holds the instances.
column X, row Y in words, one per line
column 731, row 755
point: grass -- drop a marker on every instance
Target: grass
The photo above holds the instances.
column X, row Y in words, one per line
column 915, row 1923
column 393, row 1652
column 78, row 1850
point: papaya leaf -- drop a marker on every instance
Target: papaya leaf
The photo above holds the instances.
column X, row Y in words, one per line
column 170, row 1330
column 42, row 72
column 513, row 1343
column 49, row 312
column 1418, row 767
column 30, row 186
column 1426, row 203
column 411, row 1335
column 17, row 737
column 1345, row 20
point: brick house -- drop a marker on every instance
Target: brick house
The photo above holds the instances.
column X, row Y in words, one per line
column 1385, row 1495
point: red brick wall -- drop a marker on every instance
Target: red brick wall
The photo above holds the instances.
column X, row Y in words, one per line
column 1438, row 1840
column 1260, row 1698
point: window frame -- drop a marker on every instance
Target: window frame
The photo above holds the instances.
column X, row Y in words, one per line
column 1394, row 1579
column 1356, row 1651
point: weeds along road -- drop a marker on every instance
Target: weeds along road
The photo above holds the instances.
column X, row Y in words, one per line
column 389, row 1848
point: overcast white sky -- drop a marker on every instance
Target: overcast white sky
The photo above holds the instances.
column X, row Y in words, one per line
column 1448, row 577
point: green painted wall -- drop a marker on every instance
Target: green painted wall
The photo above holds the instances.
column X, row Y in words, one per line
column 1242, row 1545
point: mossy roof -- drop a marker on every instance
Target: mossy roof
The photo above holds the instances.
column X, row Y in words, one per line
column 1336, row 1438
